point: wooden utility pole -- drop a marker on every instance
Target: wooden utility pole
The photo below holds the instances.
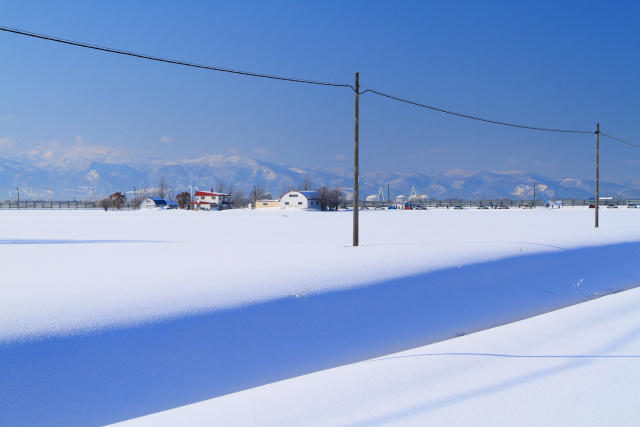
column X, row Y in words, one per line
column 597, row 169
column 355, row 165
column 534, row 196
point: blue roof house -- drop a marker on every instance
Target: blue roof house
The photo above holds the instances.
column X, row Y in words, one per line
column 153, row 202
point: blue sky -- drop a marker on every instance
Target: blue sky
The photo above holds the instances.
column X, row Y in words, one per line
column 565, row 65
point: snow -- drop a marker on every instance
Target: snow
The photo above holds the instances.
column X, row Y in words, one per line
column 574, row 367
column 108, row 316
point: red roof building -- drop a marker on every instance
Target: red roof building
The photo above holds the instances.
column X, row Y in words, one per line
column 210, row 200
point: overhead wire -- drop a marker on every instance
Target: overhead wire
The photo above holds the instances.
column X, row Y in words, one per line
column 619, row 140
column 473, row 117
column 295, row 80
column 170, row 61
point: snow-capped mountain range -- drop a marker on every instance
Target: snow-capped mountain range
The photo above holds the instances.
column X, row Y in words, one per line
column 82, row 175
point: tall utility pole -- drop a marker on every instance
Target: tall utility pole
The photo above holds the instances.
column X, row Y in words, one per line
column 18, row 192
column 597, row 169
column 355, row 165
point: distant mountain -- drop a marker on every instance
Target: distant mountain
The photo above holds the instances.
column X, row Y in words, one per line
column 85, row 175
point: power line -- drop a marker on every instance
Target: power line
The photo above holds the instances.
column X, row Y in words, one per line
column 619, row 140
column 472, row 117
column 170, row 61
column 289, row 79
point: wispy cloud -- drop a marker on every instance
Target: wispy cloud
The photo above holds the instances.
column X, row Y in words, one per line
column 260, row 151
column 78, row 140
column 6, row 142
column 438, row 150
column 5, row 117
column 166, row 140
column 54, row 143
column 340, row 157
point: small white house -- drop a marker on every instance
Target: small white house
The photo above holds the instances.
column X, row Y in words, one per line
column 300, row 200
column 153, row 202
column 209, row 200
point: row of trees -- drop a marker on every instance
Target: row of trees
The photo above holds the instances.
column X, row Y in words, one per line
column 330, row 198
column 114, row 201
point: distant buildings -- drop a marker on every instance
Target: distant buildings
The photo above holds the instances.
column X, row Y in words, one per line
column 211, row 200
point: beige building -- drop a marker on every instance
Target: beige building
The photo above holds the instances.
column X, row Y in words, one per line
column 267, row 204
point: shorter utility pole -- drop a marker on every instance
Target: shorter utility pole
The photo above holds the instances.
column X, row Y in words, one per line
column 18, row 192
column 534, row 196
column 597, row 170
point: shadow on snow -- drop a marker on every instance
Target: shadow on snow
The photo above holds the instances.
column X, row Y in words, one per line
column 119, row 374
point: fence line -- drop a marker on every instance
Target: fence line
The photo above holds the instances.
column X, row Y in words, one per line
column 50, row 205
column 432, row 203
column 511, row 203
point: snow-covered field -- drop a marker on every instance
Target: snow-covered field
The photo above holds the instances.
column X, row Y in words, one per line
column 579, row 366
column 108, row 316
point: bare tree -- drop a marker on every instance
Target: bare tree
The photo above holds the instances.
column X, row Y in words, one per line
column 163, row 189
column 323, row 194
column 183, row 199
column 336, row 197
column 235, row 194
column 104, row 203
column 306, row 184
column 240, row 198
column 171, row 195
column 224, row 188
column 330, row 198
column 259, row 192
column 286, row 189
column 138, row 198
column 117, row 200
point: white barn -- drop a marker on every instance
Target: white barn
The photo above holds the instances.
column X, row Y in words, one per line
column 300, row 200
